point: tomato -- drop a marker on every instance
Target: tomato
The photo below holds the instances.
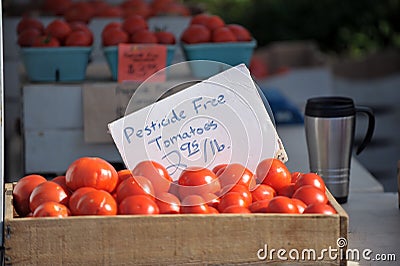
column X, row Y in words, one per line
column 194, row 204
column 219, row 167
column 282, row 204
column 135, row 8
column 232, row 199
column 143, row 36
column 22, row 191
column 156, row 173
column 134, row 23
column 320, row 208
column 235, row 173
column 45, row 41
column 295, row 176
column 75, row 197
column 138, row 185
column 58, row 29
column 77, row 25
column 236, row 209
column 274, row 173
column 29, row 23
column 110, row 12
column 286, row 191
column 300, row 205
column 200, row 19
column 122, row 175
column 262, row 192
column 47, row 191
column 258, row 67
column 96, row 202
column 310, row 194
column 212, row 210
column 222, row 34
column 111, row 25
column 310, row 179
column 114, row 36
column 175, row 9
column 51, row 209
column 138, row 204
column 57, row 7
column 62, row 182
column 243, row 190
column 79, row 11
column 165, row 37
column 240, row 32
column 213, row 22
column 78, row 38
column 91, row 172
column 260, row 206
column 211, row 199
column 168, row 203
column 197, row 181
column 174, row 188
column 27, row 37
column 196, row 34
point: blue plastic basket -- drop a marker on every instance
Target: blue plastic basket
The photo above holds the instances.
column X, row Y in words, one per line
column 56, row 63
column 111, row 53
column 230, row 53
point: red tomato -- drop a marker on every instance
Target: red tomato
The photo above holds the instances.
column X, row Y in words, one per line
column 258, row 67
column 79, row 11
column 58, row 29
column 78, row 38
column 310, row 194
column 282, row 204
column 47, row 191
column 91, row 172
column 77, row 25
column 295, row 176
column 310, row 179
column 75, row 197
column 61, row 181
column 286, row 190
column 197, row 181
column 262, row 192
column 222, row 34
column 194, row 204
column 137, row 185
column 143, row 36
column 320, row 208
column 212, row 210
column 196, row 34
column 213, row 22
column 46, row 41
column 51, row 209
column 240, row 32
column 29, row 23
column 138, row 204
column 165, row 37
column 260, row 206
column 218, row 167
column 243, row 190
column 27, row 37
column 22, row 191
column 211, row 199
column 274, row 173
column 174, row 188
column 110, row 12
column 235, row 173
column 231, row 199
column 96, row 202
column 236, row 209
column 57, row 7
column 138, row 8
column 134, row 23
column 168, row 203
column 300, row 205
column 114, row 36
column 111, row 25
column 156, row 173
column 200, row 19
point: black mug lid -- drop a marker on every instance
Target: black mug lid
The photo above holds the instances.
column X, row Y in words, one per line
column 330, row 106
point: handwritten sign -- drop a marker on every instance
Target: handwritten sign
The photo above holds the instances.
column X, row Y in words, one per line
column 219, row 120
column 137, row 62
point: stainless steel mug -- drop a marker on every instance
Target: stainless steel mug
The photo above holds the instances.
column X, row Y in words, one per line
column 330, row 127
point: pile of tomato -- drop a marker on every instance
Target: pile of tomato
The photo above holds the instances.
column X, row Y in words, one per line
column 205, row 28
column 32, row 33
column 92, row 186
column 134, row 29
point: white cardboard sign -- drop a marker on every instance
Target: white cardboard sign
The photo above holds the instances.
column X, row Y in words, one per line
column 219, row 120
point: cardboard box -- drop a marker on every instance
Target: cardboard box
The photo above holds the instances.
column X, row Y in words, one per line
column 171, row 239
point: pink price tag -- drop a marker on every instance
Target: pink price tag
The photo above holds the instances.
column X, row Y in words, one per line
column 137, row 62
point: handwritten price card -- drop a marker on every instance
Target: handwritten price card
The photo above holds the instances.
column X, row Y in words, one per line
column 138, row 62
column 219, row 120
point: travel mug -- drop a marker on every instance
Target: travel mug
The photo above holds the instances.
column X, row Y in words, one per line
column 330, row 127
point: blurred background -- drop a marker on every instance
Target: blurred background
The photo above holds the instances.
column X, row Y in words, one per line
column 304, row 48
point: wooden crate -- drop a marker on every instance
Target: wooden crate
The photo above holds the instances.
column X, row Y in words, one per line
column 170, row 239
